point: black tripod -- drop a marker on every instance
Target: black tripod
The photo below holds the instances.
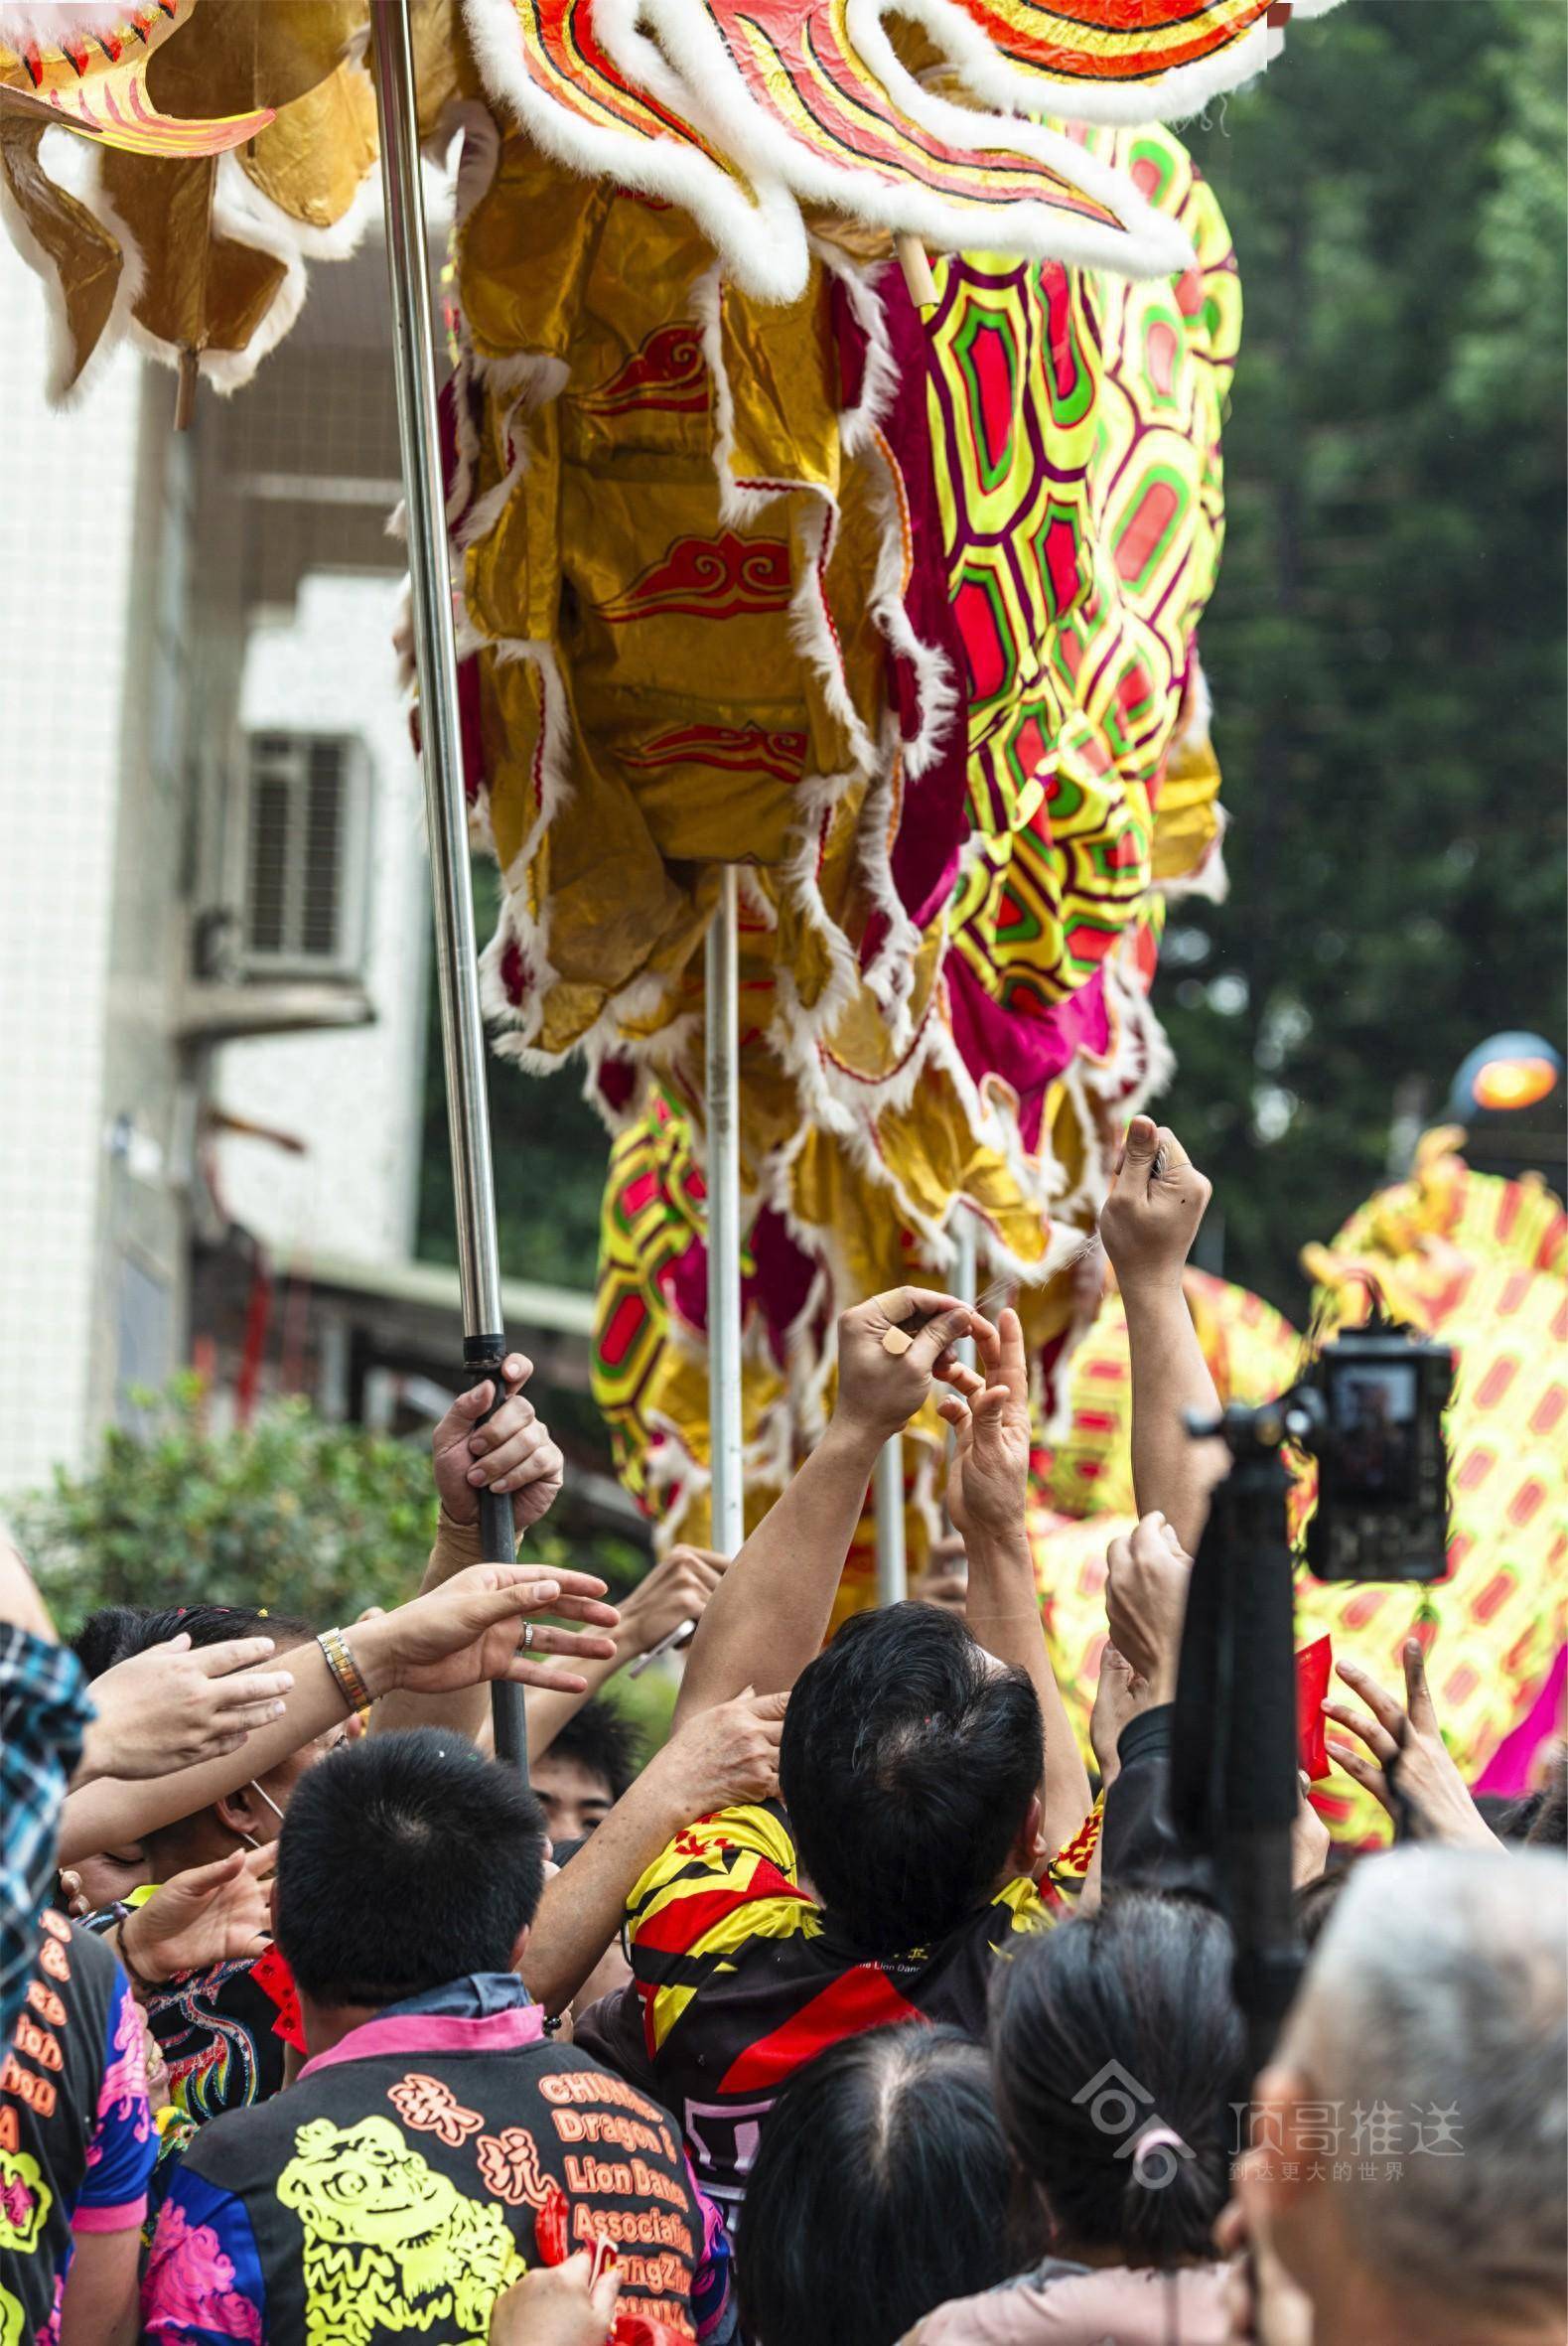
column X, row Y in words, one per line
column 1233, row 1769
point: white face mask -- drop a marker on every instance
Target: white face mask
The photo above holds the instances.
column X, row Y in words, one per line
column 271, row 1804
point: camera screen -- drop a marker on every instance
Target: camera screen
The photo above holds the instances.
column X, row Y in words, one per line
column 1374, row 1416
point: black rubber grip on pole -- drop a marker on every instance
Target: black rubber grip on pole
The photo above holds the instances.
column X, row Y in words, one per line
column 483, row 1357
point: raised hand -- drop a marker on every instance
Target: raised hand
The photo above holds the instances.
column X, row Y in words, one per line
column 1119, row 1695
column 879, row 1390
column 1157, row 1200
column 468, row 1631
column 675, row 1590
column 512, row 1451
column 1146, row 1601
column 212, row 1914
column 988, row 1478
column 177, row 1704
column 1408, row 1756
column 1309, row 1837
column 723, row 1757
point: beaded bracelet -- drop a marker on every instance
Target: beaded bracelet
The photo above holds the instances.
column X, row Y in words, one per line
column 339, row 1661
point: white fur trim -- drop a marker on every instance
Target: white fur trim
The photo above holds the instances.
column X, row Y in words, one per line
column 997, row 81
column 750, row 213
column 55, row 22
column 708, row 89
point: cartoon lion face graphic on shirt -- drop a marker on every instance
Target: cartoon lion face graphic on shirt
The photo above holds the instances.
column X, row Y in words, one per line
column 391, row 2245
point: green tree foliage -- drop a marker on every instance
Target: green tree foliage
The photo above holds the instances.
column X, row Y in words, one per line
column 291, row 1512
column 1386, row 646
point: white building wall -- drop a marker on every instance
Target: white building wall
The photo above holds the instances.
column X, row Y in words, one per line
column 68, row 541
column 351, row 1095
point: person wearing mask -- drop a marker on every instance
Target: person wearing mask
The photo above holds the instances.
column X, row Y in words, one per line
column 436, row 2143
column 584, row 1772
column 933, row 1802
column 1403, row 2181
column 1118, row 2062
column 881, row 2188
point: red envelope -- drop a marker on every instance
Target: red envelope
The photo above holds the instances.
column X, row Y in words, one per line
column 272, row 1976
column 1313, row 1669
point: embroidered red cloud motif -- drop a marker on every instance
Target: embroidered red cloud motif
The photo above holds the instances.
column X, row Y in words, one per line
column 724, row 577
column 665, row 371
column 732, row 749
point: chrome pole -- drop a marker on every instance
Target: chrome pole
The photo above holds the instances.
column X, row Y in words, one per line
column 893, row 1584
column 446, row 818
column 722, row 1074
column 966, row 1271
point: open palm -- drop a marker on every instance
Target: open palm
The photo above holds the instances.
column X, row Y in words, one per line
column 467, row 1632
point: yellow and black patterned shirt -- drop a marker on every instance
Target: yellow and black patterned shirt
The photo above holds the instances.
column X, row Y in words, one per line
column 739, row 1978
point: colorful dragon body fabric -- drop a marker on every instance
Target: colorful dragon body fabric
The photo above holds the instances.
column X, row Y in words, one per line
column 980, row 758
column 759, row 567
column 223, row 144
column 1482, row 1264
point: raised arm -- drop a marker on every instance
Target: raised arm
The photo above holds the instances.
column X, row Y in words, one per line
column 462, row 1635
column 987, row 1498
column 1148, row 1224
column 512, row 1452
column 770, row 1613
column 715, row 1760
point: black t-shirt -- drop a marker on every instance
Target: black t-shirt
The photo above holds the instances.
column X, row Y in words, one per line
column 77, row 2141
column 397, row 2186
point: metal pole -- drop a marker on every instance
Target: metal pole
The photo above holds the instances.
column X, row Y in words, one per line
column 723, row 1220
column 446, row 820
column 893, row 1584
column 965, row 1273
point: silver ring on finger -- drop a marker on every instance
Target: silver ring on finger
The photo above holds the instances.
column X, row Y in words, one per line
column 527, row 1637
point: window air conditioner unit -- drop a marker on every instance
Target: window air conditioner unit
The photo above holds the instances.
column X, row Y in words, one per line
column 306, row 837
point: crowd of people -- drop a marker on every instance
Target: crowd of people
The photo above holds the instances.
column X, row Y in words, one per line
column 861, row 2014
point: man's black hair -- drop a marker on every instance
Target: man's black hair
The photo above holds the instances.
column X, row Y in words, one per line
column 881, row 2191
column 405, row 1861
column 602, row 1742
column 1112, row 2024
column 116, row 1631
column 906, row 1765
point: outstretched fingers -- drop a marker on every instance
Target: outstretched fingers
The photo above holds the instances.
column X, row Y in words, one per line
column 1383, row 1707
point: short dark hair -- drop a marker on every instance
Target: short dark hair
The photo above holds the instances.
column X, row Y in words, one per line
column 1106, row 2026
column 116, row 1631
column 602, row 1742
column 906, row 1765
column 880, row 2191
column 405, row 1861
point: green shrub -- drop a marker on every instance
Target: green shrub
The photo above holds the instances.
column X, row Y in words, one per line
column 291, row 1512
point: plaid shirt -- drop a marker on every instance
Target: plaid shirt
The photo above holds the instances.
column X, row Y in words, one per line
column 44, row 1714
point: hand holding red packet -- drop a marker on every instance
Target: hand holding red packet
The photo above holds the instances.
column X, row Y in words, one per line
column 1313, row 1669
column 272, row 1976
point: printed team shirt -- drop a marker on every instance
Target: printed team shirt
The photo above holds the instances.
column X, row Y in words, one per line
column 77, row 2141
column 396, row 2187
column 738, row 1977
column 215, row 2029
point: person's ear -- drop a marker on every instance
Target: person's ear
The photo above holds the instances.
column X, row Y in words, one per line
column 519, row 1944
column 1029, row 1853
column 1281, row 2180
column 240, row 1813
